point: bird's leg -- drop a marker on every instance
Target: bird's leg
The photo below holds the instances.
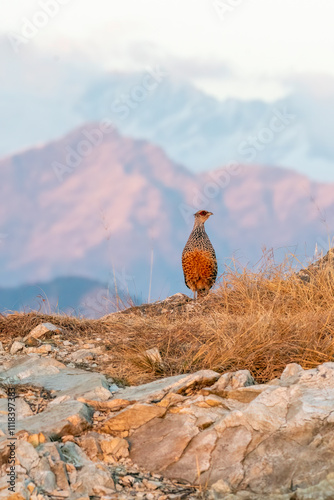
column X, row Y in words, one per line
column 195, row 296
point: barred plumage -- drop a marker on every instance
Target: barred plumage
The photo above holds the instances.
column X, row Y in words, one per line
column 199, row 261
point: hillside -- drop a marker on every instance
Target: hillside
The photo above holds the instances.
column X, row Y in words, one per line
column 241, row 378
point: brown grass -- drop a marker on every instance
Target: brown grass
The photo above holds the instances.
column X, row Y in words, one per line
column 259, row 321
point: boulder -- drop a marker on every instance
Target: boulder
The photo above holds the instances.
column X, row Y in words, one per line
column 55, row 376
column 71, row 417
column 278, row 438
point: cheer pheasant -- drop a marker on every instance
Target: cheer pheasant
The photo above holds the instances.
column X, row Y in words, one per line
column 199, row 261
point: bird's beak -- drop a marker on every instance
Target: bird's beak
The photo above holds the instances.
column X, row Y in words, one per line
column 210, row 213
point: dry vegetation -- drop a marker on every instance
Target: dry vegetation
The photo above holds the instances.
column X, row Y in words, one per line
column 259, row 321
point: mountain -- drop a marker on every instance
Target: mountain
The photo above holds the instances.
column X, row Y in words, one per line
column 194, row 129
column 71, row 295
column 202, row 132
column 105, row 211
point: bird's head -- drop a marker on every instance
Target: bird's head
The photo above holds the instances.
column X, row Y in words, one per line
column 201, row 216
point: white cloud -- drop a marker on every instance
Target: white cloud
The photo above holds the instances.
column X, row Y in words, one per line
column 262, row 42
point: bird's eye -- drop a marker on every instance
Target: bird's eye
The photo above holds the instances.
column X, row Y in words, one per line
column 203, row 212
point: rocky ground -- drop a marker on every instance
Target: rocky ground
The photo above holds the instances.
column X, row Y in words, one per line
column 82, row 435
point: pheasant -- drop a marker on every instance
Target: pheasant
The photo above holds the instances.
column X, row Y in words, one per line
column 199, row 261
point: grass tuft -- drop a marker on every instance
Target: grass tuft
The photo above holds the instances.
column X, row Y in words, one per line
column 256, row 320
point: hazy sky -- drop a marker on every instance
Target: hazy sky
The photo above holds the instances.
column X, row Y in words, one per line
column 244, row 48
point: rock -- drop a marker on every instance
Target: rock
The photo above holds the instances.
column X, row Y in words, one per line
column 291, row 374
column 22, row 409
column 90, row 444
column 173, row 305
column 26, row 455
column 31, row 369
column 112, row 405
column 225, row 433
column 252, row 447
column 60, row 472
column 21, row 491
column 37, row 439
column 82, row 355
column 43, row 349
column 152, row 485
column 154, row 357
column 44, row 330
column 230, row 381
column 179, row 384
column 219, row 489
column 161, row 442
column 43, row 476
column 71, row 417
column 114, row 448
column 128, row 480
column 196, row 459
column 92, row 480
column 246, row 394
column 131, row 418
column 55, row 376
column 154, row 391
column 323, row 263
column 56, row 464
column 60, row 399
column 16, row 347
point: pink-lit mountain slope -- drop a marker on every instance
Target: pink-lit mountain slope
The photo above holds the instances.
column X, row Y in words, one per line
column 73, row 209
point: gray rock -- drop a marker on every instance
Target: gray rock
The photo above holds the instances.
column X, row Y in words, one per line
column 157, row 390
column 26, row 455
column 43, row 476
column 21, row 491
column 91, row 479
column 22, row 409
column 71, row 417
column 55, row 376
column 153, row 391
column 82, row 355
column 31, row 369
column 94, row 481
column 73, row 454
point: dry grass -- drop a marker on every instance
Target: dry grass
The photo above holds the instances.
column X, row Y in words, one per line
column 259, row 321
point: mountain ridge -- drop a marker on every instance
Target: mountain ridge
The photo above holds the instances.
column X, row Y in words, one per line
column 127, row 200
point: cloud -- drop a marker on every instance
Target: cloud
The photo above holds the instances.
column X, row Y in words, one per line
column 184, row 67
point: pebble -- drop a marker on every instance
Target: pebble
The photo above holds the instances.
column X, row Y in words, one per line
column 128, row 480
